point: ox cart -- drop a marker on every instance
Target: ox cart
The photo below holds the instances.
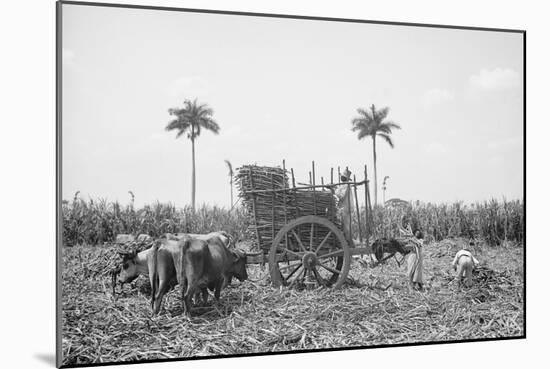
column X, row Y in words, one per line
column 296, row 228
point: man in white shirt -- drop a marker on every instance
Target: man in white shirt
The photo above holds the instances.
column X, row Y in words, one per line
column 465, row 262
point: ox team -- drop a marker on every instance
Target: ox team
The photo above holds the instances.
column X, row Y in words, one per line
column 197, row 263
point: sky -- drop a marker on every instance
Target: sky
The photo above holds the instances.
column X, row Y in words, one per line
column 286, row 89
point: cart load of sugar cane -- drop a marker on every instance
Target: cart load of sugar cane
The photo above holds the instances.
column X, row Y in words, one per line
column 271, row 203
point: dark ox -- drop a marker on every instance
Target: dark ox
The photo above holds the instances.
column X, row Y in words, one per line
column 164, row 270
column 208, row 264
column 167, row 266
column 389, row 246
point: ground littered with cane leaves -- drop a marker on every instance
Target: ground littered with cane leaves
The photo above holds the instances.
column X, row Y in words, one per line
column 376, row 306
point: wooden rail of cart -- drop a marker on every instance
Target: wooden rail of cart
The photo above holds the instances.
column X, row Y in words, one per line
column 297, row 227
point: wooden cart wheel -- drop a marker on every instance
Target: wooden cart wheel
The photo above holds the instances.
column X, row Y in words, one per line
column 314, row 251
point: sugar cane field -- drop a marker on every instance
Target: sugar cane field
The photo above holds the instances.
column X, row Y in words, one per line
column 374, row 306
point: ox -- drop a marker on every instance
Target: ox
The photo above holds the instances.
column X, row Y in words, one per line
column 164, row 264
column 389, row 246
column 207, row 264
column 133, row 265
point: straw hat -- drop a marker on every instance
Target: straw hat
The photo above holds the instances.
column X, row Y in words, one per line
column 345, row 176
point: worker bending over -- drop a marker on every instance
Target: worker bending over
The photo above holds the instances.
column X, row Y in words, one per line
column 465, row 263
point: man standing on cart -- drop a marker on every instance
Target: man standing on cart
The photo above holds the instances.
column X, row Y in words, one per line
column 344, row 201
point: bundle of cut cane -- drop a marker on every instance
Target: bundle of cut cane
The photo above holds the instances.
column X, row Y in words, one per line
column 266, row 212
column 269, row 211
column 485, row 275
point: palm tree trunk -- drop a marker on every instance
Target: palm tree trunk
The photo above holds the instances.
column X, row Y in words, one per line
column 193, row 172
column 375, row 172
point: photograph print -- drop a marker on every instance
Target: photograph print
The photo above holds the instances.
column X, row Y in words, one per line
column 238, row 184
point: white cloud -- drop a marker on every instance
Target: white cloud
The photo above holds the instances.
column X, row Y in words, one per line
column 436, row 96
column 68, row 58
column 189, row 88
column 495, row 80
column 435, row 148
column 505, row 144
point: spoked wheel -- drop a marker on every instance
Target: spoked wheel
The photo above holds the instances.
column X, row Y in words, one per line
column 309, row 251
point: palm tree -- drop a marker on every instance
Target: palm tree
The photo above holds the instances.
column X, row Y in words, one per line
column 372, row 123
column 230, row 168
column 191, row 119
